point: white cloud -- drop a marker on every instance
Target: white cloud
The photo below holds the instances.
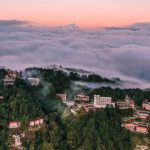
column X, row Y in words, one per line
column 112, row 53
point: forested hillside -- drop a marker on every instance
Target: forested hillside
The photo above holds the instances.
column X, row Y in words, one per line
column 99, row 130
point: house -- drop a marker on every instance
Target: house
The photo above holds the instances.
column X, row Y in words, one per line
column 102, row 102
column 62, row 96
column 14, row 125
column 31, row 123
column 129, row 126
column 37, row 122
column 81, row 97
column 41, row 121
column 141, row 129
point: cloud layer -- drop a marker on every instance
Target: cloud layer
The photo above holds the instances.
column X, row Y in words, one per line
column 12, row 22
column 123, row 53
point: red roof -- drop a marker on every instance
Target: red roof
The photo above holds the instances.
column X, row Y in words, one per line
column 36, row 120
column 41, row 119
column 141, row 128
column 12, row 122
column 31, row 121
column 129, row 124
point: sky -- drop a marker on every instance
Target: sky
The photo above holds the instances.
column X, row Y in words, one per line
column 108, row 37
column 86, row 14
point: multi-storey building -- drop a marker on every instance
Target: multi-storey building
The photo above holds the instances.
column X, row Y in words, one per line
column 129, row 126
column 102, row 102
column 146, row 105
column 34, row 81
column 36, row 122
column 126, row 103
column 81, row 97
column 136, row 127
column 8, row 81
column 143, row 114
column 141, row 129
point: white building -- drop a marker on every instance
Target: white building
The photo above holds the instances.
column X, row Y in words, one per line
column 8, row 81
column 14, row 125
column 34, row 81
column 17, row 140
column 102, row 102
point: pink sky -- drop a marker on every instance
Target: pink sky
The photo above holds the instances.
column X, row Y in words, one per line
column 86, row 14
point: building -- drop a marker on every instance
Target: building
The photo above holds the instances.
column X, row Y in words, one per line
column 12, row 74
column 62, row 96
column 34, row 81
column 146, row 105
column 126, row 103
column 8, row 81
column 68, row 103
column 102, row 102
column 1, row 98
column 17, row 140
column 32, row 123
column 129, row 126
column 89, row 107
column 41, row 121
column 81, row 97
column 143, row 114
column 141, row 129
column 37, row 122
column 14, row 125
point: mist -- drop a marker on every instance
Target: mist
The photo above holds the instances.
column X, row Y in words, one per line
column 122, row 53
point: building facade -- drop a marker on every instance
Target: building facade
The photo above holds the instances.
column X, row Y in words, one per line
column 146, row 105
column 129, row 126
column 126, row 103
column 141, row 129
column 81, row 97
column 102, row 102
column 14, row 125
column 36, row 122
column 34, row 81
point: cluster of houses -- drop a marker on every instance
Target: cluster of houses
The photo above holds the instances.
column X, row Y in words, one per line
column 134, row 127
column 18, row 137
column 32, row 123
column 81, row 100
column 97, row 102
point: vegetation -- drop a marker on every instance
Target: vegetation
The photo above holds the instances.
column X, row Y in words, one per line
column 99, row 130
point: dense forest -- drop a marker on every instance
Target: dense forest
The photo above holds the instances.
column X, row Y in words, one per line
column 99, row 130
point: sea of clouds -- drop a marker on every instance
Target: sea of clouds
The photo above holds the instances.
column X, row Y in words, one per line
column 111, row 52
